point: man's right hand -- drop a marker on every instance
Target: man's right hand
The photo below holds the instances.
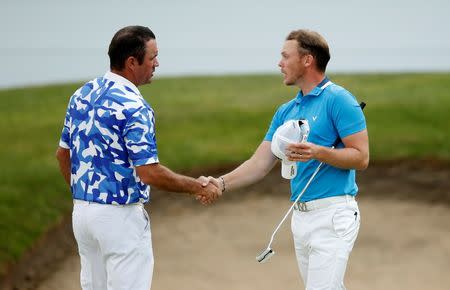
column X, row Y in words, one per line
column 206, row 180
column 209, row 192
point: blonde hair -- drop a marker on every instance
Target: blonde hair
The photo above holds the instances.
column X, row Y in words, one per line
column 313, row 43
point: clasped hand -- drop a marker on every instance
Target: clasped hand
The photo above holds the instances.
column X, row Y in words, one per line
column 211, row 190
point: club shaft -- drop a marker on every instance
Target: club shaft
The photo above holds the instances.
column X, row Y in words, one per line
column 293, row 204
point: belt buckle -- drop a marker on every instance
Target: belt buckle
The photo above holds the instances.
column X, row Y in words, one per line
column 301, row 206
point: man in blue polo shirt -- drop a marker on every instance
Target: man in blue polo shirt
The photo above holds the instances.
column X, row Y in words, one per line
column 108, row 155
column 326, row 220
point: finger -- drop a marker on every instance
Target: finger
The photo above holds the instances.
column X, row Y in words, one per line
column 297, row 146
column 207, row 197
column 293, row 146
column 203, row 180
column 300, row 159
column 204, row 201
column 294, row 154
column 213, row 191
column 202, row 198
column 214, row 181
column 213, row 196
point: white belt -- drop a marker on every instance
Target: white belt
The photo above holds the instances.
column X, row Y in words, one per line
column 323, row 202
column 85, row 202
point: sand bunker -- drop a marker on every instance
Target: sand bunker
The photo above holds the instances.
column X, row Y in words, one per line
column 404, row 241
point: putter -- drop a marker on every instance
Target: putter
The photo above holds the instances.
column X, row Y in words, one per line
column 268, row 252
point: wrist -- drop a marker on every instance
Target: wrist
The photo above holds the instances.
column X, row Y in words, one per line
column 222, row 184
column 195, row 187
column 321, row 153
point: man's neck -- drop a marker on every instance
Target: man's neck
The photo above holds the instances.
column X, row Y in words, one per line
column 125, row 74
column 310, row 81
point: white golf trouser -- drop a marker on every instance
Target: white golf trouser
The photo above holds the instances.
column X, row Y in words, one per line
column 115, row 247
column 324, row 236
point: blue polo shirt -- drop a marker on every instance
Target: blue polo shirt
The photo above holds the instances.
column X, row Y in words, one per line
column 332, row 113
column 109, row 129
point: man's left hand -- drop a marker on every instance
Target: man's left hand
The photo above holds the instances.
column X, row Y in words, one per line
column 302, row 152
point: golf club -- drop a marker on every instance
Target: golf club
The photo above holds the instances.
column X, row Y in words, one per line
column 268, row 252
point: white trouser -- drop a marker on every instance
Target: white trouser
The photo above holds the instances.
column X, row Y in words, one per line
column 115, row 247
column 323, row 237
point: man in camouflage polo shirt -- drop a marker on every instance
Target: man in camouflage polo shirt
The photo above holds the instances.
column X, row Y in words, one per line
column 108, row 156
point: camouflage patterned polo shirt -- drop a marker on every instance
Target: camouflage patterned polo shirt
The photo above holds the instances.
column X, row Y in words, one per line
column 109, row 129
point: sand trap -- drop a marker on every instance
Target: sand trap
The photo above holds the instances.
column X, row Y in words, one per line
column 403, row 244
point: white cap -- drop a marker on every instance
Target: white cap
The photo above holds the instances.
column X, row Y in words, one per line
column 292, row 131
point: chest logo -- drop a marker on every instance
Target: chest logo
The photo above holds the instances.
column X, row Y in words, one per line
column 314, row 118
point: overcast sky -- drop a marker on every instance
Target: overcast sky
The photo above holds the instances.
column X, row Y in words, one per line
column 53, row 41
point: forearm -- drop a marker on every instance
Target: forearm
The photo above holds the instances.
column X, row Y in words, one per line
column 241, row 176
column 63, row 157
column 355, row 154
column 65, row 171
column 344, row 158
column 165, row 179
column 179, row 183
column 249, row 172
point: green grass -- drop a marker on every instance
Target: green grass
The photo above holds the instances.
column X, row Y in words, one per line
column 201, row 121
column 407, row 115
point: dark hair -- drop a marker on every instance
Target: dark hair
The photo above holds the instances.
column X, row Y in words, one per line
column 313, row 43
column 128, row 41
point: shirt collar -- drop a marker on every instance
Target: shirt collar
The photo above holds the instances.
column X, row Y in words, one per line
column 123, row 81
column 316, row 91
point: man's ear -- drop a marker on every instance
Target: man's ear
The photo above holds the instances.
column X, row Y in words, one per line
column 308, row 60
column 131, row 62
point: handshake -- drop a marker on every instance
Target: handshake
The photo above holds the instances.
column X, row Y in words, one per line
column 212, row 188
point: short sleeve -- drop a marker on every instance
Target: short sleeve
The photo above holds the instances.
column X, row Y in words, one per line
column 276, row 122
column 347, row 115
column 139, row 136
